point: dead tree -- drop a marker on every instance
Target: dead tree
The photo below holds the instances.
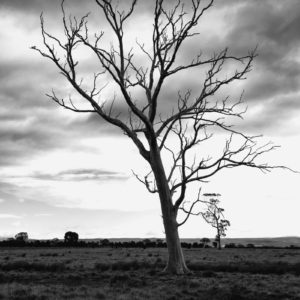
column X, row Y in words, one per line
column 193, row 117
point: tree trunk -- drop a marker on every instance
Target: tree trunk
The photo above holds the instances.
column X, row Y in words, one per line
column 219, row 244
column 218, row 237
column 176, row 262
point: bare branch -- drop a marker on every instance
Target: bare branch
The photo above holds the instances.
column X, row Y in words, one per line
column 189, row 212
column 146, row 182
column 69, row 106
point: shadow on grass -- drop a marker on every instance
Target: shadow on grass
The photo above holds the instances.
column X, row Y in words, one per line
column 278, row 268
column 33, row 266
column 208, row 270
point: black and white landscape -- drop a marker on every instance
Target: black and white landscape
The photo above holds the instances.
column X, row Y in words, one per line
column 130, row 131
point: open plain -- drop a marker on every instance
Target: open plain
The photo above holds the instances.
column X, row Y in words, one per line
column 130, row 273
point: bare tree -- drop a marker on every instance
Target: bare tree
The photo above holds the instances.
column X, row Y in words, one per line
column 193, row 117
column 214, row 216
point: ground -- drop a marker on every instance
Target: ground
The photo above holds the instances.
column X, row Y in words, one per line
column 105, row 273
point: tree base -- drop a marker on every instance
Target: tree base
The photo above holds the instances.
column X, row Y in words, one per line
column 176, row 270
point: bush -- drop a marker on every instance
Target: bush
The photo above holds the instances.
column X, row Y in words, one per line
column 71, row 237
column 22, row 236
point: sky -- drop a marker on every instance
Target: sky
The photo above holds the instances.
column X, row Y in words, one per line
column 63, row 171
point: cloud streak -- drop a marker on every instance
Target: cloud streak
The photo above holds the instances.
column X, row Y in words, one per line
column 81, row 175
column 9, row 216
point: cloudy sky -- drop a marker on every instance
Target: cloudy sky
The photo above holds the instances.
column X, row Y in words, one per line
column 64, row 171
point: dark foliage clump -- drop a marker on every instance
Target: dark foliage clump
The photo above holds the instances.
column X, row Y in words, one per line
column 71, row 237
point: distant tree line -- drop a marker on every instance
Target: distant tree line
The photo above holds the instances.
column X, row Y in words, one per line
column 71, row 239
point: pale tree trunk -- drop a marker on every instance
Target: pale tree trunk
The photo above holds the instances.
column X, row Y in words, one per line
column 176, row 262
column 219, row 244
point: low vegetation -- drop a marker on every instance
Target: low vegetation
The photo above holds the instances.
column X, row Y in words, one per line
column 73, row 241
column 136, row 273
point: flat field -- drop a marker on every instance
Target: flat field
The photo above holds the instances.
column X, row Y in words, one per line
column 105, row 273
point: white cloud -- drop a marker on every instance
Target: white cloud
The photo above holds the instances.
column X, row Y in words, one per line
column 43, row 215
column 9, row 216
column 16, row 224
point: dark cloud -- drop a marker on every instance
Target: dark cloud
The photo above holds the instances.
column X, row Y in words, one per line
column 274, row 82
column 37, row 6
column 275, row 117
column 273, row 25
column 25, row 6
column 30, row 125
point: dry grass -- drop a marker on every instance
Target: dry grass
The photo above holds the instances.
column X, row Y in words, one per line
column 62, row 273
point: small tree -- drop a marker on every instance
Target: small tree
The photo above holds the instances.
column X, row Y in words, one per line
column 71, row 237
column 215, row 217
column 205, row 241
column 22, row 236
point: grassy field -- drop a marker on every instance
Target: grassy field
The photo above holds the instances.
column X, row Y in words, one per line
column 104, row 273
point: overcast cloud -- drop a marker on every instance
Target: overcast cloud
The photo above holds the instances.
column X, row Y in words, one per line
column 33, row 128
